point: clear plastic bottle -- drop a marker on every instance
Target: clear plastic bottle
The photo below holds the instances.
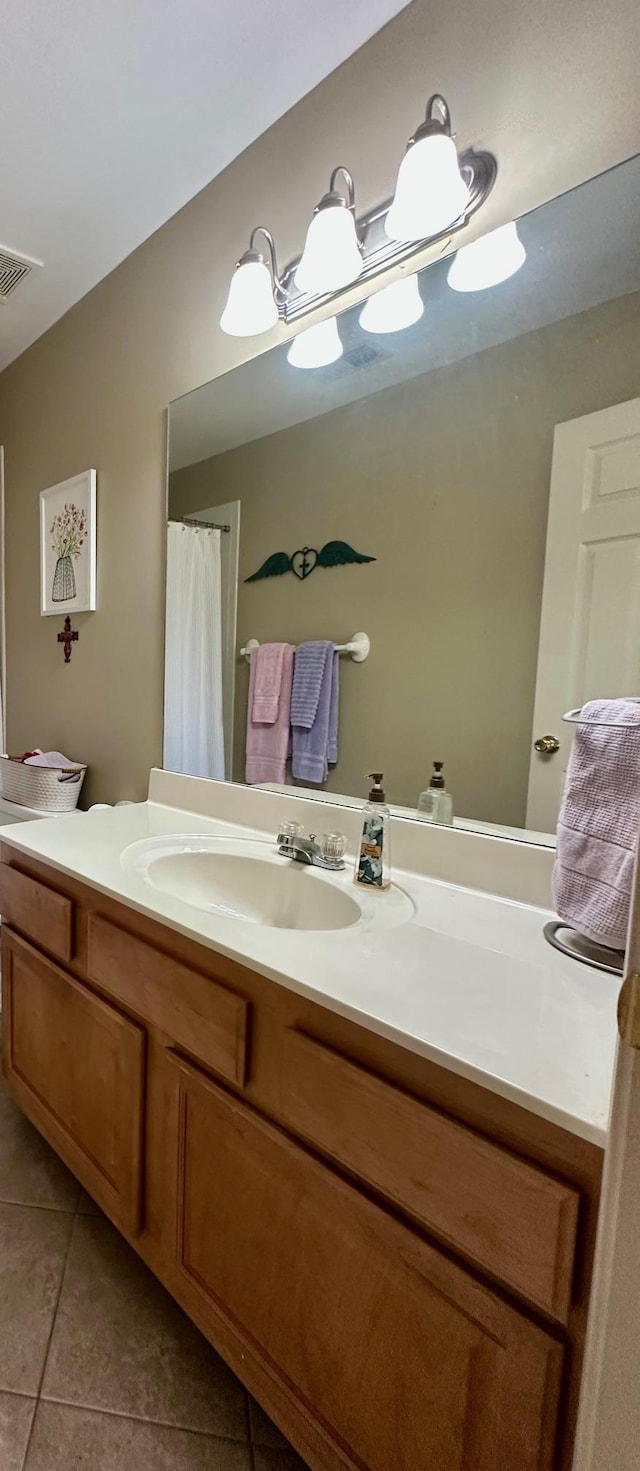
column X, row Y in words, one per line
column 373, row 867
column 436, row 803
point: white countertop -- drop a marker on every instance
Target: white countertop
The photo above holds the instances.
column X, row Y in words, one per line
column 466, row 979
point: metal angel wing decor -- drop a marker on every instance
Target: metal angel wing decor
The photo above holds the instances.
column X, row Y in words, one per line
column 273, row 567
column 302, row 562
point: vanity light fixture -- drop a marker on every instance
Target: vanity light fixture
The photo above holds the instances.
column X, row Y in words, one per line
column 251, row 306
column 331, row 257
column 487, row 261
column 431, row 193
column 395, row 307
column 317, row 346
column 437, row 191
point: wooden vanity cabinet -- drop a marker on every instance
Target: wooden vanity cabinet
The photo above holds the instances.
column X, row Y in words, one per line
column 395, row 1262
column 76, row 1065
column 408, row 1360
column 39, row 911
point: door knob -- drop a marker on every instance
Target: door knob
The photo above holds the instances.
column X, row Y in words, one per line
column 547, row 745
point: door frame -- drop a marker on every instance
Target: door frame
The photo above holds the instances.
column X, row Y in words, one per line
column 608, row 1433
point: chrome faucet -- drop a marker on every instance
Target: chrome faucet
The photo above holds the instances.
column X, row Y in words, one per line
column 306, row 850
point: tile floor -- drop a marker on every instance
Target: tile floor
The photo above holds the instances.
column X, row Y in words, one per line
column 99, row 1368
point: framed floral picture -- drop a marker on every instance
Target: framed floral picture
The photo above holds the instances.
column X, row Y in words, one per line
column 68, row 546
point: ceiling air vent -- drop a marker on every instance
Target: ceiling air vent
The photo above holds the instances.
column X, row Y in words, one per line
column 363, row 354
column 13, row 269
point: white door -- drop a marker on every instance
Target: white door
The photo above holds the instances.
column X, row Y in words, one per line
column 590, row 629
column 608, row 1437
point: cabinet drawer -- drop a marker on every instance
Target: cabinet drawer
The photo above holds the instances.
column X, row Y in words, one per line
column 508, row 1216
column 402, row 1357
column 38, row 912
column 198, row 1014
column 77, row 1068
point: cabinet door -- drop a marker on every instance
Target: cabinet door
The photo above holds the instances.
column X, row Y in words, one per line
column 76, row 1067
column 401, row 1355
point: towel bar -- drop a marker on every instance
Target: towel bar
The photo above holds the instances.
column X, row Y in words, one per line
column 574, row 717
column 359, row 647
column 569, row 940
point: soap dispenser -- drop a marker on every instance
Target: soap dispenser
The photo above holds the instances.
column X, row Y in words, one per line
column 372, row 863
column 436, row 803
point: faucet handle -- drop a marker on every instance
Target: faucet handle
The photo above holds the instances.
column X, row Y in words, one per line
column 289, row 830
column 333, row 846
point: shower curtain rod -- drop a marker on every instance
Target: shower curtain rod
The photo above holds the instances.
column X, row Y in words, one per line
column 206, row 525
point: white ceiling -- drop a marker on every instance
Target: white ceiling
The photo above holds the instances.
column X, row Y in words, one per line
column 114, row 113
column 582, row 249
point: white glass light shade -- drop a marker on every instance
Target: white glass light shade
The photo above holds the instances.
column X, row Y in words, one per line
column 331, row 258
column 251, row 306
column 394, row 308
column 430, row 192
column 316, row 347
column 488, row 261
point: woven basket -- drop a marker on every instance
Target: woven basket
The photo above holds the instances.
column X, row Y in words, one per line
column 45, row 788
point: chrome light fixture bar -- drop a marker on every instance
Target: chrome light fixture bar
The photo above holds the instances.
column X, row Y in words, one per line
column 379, row 253
column 435, row 182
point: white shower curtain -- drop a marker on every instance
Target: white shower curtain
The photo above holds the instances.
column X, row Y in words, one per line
column 193, row 730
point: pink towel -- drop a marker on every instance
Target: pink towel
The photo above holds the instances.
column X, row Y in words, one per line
column 268, row 661
column 268, row 745
column 599, row 822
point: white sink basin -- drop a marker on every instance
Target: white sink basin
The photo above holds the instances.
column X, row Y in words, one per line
column 246, row 879
column 233, row 877
column 287, row 897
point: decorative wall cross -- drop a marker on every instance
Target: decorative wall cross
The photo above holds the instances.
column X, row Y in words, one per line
column 68, row 637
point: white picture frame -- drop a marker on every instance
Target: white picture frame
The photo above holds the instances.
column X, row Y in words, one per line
column 68, row 546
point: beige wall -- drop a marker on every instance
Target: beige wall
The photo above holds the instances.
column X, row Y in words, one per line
column 526, row 80
column 444, row 479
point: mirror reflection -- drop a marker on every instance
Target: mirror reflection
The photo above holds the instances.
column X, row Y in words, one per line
column 451, row 469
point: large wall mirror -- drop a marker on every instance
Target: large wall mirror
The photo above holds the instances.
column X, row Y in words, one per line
column 505, row 589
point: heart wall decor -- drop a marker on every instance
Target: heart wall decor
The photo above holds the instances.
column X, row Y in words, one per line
column 303, row 562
